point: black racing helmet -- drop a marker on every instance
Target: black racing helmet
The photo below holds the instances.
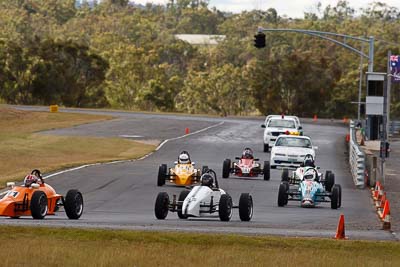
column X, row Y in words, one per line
column 308, row 161
column 207, row 179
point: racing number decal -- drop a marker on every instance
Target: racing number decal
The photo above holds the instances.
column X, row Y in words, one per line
column 13, row 194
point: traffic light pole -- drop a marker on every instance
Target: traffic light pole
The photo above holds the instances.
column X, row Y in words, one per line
column 328, row 36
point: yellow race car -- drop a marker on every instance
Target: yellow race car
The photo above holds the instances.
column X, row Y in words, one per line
column 183, row 173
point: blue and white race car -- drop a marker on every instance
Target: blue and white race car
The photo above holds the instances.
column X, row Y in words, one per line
column 309, row 187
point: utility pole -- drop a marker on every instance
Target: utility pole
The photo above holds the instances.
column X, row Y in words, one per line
column 360, row 85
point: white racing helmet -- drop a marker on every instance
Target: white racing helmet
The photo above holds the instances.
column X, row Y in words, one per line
column 184, row 158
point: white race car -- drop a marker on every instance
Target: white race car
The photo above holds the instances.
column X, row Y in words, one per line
column 290, row 150
column 202, row 200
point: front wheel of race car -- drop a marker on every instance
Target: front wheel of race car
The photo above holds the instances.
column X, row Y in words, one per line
column 267, row 170
column 39, row 205
column 73, row 204
column 335, row 197
column 162, row 173
column 285, row 175
column 226, row 168
column 329, row 181
column 266, row 148
column 225, row 207
column 161, row 206
column 181, row 198
column 282, row 195
column 245, row 207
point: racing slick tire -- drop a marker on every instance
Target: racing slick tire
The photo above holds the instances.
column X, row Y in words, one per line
column 38, row 205
column 267, row 171
column 329, row 181
column 182, row 197
column 226, row 168
column 285, row 175
column 161, row 206
column 73, row 204
column 340, row 195
column 225, row 208
column 335, row 198
column 282, row 195
column 245, row 207
column 266, row 148
column 162, row 173
column 204, row 169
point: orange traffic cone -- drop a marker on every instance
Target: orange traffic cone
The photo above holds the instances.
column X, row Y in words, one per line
column 315, row 117
column 386, row 210
column 385, row 216
column 376, row 195
column 187, row 131
column 376, row 188
column 340, row 233
column 344, row 120
column 381, row 204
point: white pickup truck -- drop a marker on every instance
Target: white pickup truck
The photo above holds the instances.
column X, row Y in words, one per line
column 276, row 125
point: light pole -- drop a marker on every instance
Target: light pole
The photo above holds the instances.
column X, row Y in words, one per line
column 328, row 36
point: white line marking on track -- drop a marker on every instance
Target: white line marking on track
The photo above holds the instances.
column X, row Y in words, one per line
column 129, row 160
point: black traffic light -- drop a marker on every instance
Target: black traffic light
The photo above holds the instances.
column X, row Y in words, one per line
column 259, row 40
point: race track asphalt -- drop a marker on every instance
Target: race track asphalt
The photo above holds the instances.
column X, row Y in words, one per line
column 122, row 195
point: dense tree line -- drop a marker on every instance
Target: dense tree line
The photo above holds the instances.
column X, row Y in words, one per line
column 115, row 54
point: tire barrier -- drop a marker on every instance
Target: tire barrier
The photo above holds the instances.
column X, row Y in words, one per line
column 356, row 158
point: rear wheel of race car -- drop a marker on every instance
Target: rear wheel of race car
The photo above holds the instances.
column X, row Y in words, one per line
column 335, row 197
column 267, row 170
column 327, row 172
column 282, row 195
column 225, row 207
column 73, row 204
column 161, row 206
column 245, row 207
column 329, row 181
column 266, row 147
column 39, row 205
column 340, row 195
column 181, row 198
column 204, row 169
column 226, row 168
column 287, row 192
column 162, row 173
column 285, row 175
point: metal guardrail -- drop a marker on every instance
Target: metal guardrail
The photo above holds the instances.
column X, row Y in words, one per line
column 356, row 158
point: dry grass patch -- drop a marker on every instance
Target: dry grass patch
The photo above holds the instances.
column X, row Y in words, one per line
column 73, row 247
column 24, row 149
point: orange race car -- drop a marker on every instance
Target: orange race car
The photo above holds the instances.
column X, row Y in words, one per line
column 37, row 199
column 183, row 173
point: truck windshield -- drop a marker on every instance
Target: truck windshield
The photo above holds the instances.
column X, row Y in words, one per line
column 282, row 123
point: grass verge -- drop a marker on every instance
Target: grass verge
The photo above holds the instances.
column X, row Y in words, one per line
column 74, row 247
column 23, row 148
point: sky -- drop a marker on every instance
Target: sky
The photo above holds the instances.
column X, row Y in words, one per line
column 291, row 8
